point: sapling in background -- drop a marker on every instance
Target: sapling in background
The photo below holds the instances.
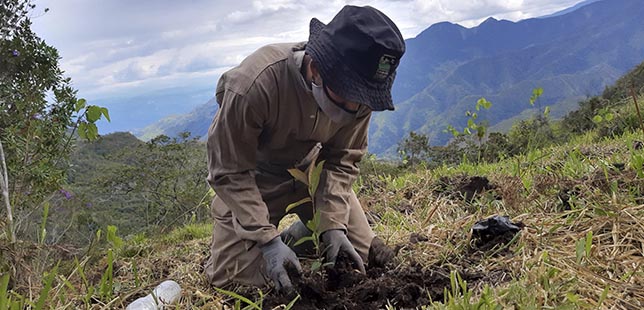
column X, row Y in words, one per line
column 474, row 126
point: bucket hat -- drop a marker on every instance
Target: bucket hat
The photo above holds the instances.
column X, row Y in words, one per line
column 357, row 54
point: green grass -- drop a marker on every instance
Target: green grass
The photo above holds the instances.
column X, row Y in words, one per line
column 584, row 256
column 189, row 232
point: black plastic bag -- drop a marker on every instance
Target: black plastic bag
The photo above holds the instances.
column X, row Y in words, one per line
column 495, row 230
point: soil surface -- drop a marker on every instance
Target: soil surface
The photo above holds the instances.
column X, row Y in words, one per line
column 465, row 187
column 405, row 287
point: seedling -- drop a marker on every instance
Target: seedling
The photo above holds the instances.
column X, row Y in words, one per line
column 310, row 177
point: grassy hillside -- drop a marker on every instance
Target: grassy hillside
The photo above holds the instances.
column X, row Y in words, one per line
column 581, row 246
column 577, row 206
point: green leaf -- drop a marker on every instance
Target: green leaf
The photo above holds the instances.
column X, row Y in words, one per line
column 467, row 131
column 546, row 111
column 483, row 103
column 480, row 131
column 238, row 297
column 112, row 238
column 44, row 293
column 579, row 249
column 292, row 303
column 589, row 242
column 600, row 211
column 604, row 295
column 314, row 178
column 315, row 266
column 470, row 123
column 82, row 130
column 609, row 117
column 106, row 286
column 302, row 240
column 453, row 131
column 299, row 175
column 297, row 204
column 92, row 132
column 43, row 224
column 597, row 119
column 81, row 271
column 4, row 284
column 93, row 113
column 314, row 223
column 80, row 104
column 106, row 113
column 537, row 92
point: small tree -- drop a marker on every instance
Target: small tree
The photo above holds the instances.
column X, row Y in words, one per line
column 475, row 127
column 39, row 114
column 414, row 149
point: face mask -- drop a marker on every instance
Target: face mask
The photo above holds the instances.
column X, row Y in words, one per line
column 334, row 112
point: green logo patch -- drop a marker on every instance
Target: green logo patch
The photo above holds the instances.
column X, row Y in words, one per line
column 385, row 65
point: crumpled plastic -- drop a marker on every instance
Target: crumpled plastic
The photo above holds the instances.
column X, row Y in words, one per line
column 496, row 228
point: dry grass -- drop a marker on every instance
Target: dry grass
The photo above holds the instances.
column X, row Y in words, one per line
column 547, row 266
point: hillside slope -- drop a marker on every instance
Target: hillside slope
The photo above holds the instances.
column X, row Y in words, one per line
column 569, row 56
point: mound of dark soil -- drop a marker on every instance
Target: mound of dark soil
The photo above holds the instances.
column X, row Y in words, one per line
column 345, row 288
column 465, row 187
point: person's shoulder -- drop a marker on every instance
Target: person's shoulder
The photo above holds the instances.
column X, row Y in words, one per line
column 241, row 78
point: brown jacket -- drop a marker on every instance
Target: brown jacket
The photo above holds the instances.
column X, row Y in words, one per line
column 269, row 121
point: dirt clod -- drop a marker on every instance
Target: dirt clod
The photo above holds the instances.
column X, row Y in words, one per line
column 417, row 238
column 345, row 288
column 466, row 187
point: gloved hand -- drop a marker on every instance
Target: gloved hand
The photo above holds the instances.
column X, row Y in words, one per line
column 276, row 254
column 379, row 253
column 335, row 241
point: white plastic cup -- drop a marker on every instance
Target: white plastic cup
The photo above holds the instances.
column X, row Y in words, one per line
column 165, row 293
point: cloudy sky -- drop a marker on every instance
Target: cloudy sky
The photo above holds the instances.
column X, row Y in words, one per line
column 115, row 48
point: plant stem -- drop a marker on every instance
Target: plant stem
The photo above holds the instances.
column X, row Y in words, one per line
column 5, row 193
column 639, row 116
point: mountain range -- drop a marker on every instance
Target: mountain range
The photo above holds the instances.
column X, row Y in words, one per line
column 571, row 55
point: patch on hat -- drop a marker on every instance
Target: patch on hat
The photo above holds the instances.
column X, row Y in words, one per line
column 384, row 67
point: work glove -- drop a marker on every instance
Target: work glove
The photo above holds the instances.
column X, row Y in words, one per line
column 295, row 233
column 336, row 241
column 276, row 254
column 379, row 253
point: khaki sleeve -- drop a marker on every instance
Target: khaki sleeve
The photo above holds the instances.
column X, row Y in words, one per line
column 341, row 154
column 232, row 146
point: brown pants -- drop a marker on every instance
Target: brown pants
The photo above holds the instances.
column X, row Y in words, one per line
column 233, row 261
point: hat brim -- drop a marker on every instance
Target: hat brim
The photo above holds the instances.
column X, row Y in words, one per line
column 315, row 27
column 340, row 78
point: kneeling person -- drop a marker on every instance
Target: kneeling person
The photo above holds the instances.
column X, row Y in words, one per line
column 283, row 107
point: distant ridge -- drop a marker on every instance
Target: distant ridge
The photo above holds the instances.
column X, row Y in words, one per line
column 571, row 9
column 572, row 54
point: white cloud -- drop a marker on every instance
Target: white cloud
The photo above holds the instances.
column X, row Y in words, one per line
column 117, row 47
